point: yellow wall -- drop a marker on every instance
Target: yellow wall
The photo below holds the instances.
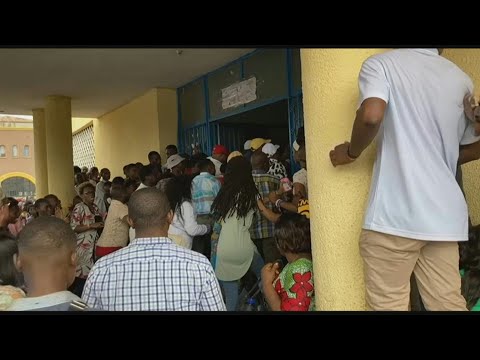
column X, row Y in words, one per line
column 167, row 119
column 469, row 61
column 337, row 196
column 80, row 123
column 127, row 134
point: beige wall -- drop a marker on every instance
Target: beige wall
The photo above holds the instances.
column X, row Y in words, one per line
column 469, row 61
column 80, row 123
column 167, row 119
column 127, row 134
column 337, row 195
column 9, row 164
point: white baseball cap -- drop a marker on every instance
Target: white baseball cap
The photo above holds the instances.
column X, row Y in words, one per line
column 270, row 149
column 247, row 145
column 173, row 161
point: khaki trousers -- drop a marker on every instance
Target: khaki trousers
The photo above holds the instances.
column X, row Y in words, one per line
column 389, row 262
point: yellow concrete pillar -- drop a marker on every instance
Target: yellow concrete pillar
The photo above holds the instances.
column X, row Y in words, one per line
column 469, row 61
column 40, row 142
column 337, row 195
column 58, row 121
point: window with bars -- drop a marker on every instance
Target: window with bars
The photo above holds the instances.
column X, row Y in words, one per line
column 84, row 148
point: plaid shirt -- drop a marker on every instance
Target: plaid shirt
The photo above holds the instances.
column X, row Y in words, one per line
column 153, row 274
column 205, row 188
column 261, row 227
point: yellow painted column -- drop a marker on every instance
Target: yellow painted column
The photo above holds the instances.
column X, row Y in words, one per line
column 58, row 121
column 469, row 61
column 337, row 195
column 40, row 142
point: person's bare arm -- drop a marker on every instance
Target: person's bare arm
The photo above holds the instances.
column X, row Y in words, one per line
column 289, row 206
column 469, row 153
column 269, row 273
column 368, row 119
column 267, row 213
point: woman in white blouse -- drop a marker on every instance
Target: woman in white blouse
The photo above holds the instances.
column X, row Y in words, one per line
column 184, row 225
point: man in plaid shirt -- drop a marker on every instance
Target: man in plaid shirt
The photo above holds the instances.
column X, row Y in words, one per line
column 262, row 229
column 152, row 273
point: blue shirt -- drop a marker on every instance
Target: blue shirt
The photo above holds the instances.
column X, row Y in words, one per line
column 205, row 188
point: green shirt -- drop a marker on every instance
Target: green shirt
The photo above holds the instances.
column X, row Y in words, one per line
column 295, row 286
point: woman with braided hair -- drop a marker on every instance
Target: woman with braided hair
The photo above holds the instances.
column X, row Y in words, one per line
column 233, row 209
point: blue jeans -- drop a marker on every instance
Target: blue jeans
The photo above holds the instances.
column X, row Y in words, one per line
column 230, row 288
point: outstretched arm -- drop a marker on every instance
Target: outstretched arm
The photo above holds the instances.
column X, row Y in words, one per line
column 367, row 122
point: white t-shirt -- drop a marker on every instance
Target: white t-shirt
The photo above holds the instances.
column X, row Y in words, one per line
column 301, row 177
column 413, row 192
column 187, row 227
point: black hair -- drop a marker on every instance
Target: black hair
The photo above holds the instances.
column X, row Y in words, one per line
column 223, row 168
column 178, row 190
column 119, row 193
column 45, row 235
column 292, row 233
column 118, row 180
column 239, row 193
column 9, row 275
column 146, row 171
column 13, row 202
column 148, row 208
column 203, row 164
column 259, row 160
column 171, row 147
column 83, row 186
column 129, row 182
column 151, row 153
column 52, row 196
column 130, row 166
column 76, row 170
column 41, row 202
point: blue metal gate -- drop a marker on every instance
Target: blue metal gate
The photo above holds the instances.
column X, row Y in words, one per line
column 212, row 131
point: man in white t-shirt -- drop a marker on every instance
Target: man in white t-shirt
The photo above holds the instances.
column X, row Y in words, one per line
column 416, row 214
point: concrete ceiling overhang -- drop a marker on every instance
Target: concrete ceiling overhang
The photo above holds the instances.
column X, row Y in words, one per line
column 98, row 80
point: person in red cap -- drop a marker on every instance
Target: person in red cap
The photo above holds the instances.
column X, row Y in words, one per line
column 219, row 157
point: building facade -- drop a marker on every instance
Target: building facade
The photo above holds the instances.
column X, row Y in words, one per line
column 17, row 167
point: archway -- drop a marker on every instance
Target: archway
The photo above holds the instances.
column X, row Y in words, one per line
column 18, row 185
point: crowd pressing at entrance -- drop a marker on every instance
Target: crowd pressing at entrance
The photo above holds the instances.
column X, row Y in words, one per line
column 184, row 236
column 191, row 235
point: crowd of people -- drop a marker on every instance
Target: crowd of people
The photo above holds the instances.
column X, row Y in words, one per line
column 176, row 237
column 188, row 234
